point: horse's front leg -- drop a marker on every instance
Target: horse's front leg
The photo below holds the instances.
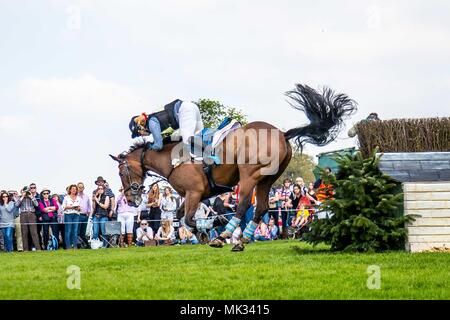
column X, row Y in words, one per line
column 190, row 207
column 244, row 204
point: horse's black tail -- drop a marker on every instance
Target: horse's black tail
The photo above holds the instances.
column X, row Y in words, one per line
column 325, row 112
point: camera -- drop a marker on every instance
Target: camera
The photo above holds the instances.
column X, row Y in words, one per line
column 26, row 189
column 145, row 229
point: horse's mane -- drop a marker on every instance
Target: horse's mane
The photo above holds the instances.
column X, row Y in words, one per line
column 142, row 144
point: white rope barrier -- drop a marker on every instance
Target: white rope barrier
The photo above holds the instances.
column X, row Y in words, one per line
column 152, row 220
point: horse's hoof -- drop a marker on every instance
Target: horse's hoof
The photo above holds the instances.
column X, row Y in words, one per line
column 226, row 235
column 238, row 247
column 245, row 240
column 216, row 243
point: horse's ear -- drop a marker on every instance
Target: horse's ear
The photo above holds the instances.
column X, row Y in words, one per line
column 115, row 158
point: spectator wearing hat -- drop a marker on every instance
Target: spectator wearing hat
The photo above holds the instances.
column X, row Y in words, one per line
column 7, row 211
column 27, row 204
column 85, row 212
column 71, row 208
column 100, row 211
column 108, row 192
column 49, row 214
column 125, row 215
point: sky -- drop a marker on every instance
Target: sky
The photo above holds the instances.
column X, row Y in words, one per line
column 73, row 73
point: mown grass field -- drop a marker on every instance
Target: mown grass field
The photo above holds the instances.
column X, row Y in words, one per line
column 288, row 270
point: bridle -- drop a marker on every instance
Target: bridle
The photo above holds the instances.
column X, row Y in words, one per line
column 134, row 186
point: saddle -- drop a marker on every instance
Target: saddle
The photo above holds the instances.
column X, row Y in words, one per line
column 211, row 138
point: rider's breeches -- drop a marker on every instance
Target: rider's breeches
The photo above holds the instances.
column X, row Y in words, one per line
column 190, row 120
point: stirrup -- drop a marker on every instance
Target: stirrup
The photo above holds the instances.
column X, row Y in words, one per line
column 176, row 162
column 196, row 158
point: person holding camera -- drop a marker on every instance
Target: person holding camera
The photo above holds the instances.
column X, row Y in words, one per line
column 143, row 233
column 100, row 182
column 27, row 204
column 100, row 209
column 71, row 208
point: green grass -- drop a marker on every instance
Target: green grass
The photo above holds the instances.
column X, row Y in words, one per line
column 273, row 270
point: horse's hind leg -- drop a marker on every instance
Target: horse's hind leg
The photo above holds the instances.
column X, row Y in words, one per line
column 245, row 196
column 262, row 197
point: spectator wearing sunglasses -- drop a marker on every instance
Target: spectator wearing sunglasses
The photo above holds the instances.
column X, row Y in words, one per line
column 100, row 208
column 14, row 195
column 7, row 211
column 49, row 214
column 35, row 194
column 143, row 233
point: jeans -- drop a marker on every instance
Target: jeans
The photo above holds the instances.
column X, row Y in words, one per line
column 8, row 236
column 192, row 240
column 265, row 218
column 155, row 129
column 83, row 225
column 99, row 223
column 261, row 238
column 71, row 226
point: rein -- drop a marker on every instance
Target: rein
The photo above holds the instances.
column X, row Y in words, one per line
column 134, row 186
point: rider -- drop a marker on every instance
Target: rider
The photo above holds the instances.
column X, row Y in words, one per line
column 178, row 114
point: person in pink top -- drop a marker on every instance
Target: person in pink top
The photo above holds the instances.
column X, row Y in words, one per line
column 125, row 214
column 49, row 208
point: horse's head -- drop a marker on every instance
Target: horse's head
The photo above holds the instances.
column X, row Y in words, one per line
column 132, row 174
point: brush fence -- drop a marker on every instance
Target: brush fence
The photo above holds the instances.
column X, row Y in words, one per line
column 426, row 187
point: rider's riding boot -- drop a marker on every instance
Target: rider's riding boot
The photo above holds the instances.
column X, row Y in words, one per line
column 196, row 148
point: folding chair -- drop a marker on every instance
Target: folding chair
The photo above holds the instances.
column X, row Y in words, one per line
column 113, row 231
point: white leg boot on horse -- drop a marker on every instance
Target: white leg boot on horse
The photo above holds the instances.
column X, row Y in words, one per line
column 247, row 186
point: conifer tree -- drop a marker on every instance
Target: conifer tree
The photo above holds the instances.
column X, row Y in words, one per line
column 365, row 208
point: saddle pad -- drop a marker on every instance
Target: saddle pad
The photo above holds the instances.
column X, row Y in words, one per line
column 220, row 134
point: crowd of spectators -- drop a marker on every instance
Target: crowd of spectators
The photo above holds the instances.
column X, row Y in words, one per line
column 32, row 220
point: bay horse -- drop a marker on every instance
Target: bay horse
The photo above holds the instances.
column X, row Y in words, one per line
column 254, row 156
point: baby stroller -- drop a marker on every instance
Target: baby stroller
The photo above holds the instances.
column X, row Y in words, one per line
column 205, row 227
column 297, row 232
